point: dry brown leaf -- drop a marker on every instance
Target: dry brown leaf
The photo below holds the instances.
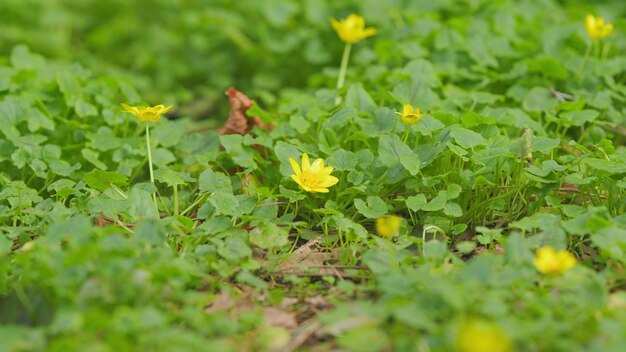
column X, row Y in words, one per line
column 238, row 121
column 279, row 318
column 497, row 250
column 300, row 253
column 223, row 302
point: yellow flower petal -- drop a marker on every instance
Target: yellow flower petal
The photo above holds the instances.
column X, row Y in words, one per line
column 317, row 165
column 312, row 177
column 411, row 115
column 352, row 29
column 597, row 28
column 306, row 164
column 482, row 336
column 550, row 262
column 295, row 167
column 147, row 114
column 388, row 225
column 327, row 170
column 328, row 181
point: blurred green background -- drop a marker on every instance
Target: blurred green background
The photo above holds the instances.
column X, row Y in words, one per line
column 188, row 52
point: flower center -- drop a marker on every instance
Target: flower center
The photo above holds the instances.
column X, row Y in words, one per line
column 310, row 179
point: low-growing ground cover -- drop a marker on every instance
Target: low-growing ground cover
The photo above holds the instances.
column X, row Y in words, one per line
column 442, row 176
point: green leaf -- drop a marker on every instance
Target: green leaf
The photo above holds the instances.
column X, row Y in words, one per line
column 606, row 165
column 70, row 87
column 466, row 138
column 169, row 177
column 299, row 123
column 453, row 209
column 269, row 235
column 391, row 151
column 92, row 157
column 283, row 152
column 545, row 145
column 579, row 118
column 103, row 139
column 19, row 195
column 140, row 204
column 234, row 248
column 212, row 181
column 5, row 245
column 84, row 109
column 436, row 203
column 417, row 202
column 150, row 231
column 454, row 191
column 102, row 180
column 539, row 99
column 225, row 203
column 612, row 242
column 358, row 99
column 374, row 208
column 342, row 159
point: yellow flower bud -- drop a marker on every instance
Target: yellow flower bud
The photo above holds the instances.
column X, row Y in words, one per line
column 352, row 29
column 388, row 225
column 550, row 262
column 411, row 115
column 597, row 28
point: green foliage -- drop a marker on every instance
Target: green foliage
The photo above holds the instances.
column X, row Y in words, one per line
column 522, row 147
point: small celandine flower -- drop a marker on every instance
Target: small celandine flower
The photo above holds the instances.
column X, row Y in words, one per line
column 388, row 225
column 550, row 262
column 312, row 177
column 477, row 335
column 147, row 113
column 352, row 29
column 411, row 115
column 597, row 28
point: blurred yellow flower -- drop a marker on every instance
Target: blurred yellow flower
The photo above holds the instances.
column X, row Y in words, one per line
column 597, row 28
column 410, row 115
column 482, row 336
column 550, row 262
column 388, row 225
column 352, row 29
column 147, row 113
column 312, row 177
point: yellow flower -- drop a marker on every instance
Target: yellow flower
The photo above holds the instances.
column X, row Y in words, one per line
column 352, row 29
column 147, row 113
column 411, row 115
column 388, row 225
column 312, row 177
column 482, row 336
column 550, row 262
column 597, row 28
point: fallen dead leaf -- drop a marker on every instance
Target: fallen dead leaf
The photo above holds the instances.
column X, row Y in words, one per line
column 238, row 121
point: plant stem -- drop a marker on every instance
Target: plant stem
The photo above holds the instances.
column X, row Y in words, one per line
column 585, row 58
column 175, row 199
column 194, row 204
column 156, row 205
column 605, row 50
column 406, row 133
column 343, row 69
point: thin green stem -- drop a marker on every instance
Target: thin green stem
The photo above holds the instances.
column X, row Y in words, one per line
column 175, row 199
column 156, row 205
column 585, row 58
column 343, row 69
column 193, row 205
column 119, row 191
column 406, row 133
column 605, row 50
